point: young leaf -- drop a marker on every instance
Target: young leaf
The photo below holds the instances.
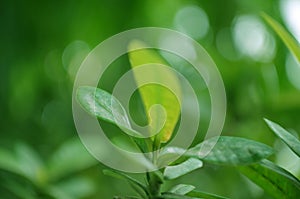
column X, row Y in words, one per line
column 69, row 158
column 232, row 151
column 120, row 175
column 205, row 195
column 285, row 136
column 172, row 172
column 153, row 94
column 182, row 189
column 276, row 181
column 9, row 162
column 30, row 163
column 103, row 105
column 174, row 196
column 289, row 41
column 74, row 188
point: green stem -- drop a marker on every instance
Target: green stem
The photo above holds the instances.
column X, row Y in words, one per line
column 154, row 185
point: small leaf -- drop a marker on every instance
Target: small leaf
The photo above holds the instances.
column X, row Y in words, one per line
column 169, row 153
column 276, row 181
column 18, row 190
column 30, row 163
column 9, row 162
column 74, row 188
column 153, row 94
column 289, row 41
column 172, row 172
column 205, row 195
column 285, row 136
column 232, row 151
column 69, row 158
column 182, row 189
column 25, row 162
column 106, row 107
column 123, row 176
column 174, row 196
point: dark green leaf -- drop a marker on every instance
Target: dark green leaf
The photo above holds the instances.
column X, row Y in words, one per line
column 103, row 105
column 182, row 189
column 289, row 41
column 276, row 181
column 232, row 151
column 123, row 176
column 201, row 194
column 285, row 136
column 172, row 172
column 19, row 190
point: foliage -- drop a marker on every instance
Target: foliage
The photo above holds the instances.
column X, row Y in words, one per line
column 44, row 43
column 248, row 155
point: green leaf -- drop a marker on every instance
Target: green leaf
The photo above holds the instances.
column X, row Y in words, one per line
column 30, row 163
column 174, row 196
column 153, row 94
column 289, row 41
column 276, row 181
column 19, row 190
column 104, row 106
column 24, row 162
column 172, row 172
column 9, row 162
column 285, row 136
column 69, row 158
column 205, row 195
column 74, row 188
column 123, row 176
column 170, row 153
column 182, row 189
column 231, row 151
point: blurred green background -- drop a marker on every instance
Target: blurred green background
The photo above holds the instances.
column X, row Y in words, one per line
column 44, row 42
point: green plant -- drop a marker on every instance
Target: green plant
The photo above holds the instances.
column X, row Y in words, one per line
column 246, row 155
column 28, row 176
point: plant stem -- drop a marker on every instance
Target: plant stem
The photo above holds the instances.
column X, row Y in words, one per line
column 154, row 185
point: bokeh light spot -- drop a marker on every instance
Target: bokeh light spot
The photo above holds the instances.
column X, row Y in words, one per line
column 290, row 10
column 252, row 39
column 293, row 71
column 73, row 56
column 193, row 21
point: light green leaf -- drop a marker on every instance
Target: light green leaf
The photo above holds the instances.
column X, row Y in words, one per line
column 174, row 196
column 8, row 162
column 30, row 163
column 172, row 172
column 106, row 107
column 205, row 195
column 153, row 94
column 289, row 41
column 182, row 189
column 169, row 153
column 24, row 162
column 76, row 187
column 69, row 158
column 276, row 181
column 285, row 136
column 232, row 151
